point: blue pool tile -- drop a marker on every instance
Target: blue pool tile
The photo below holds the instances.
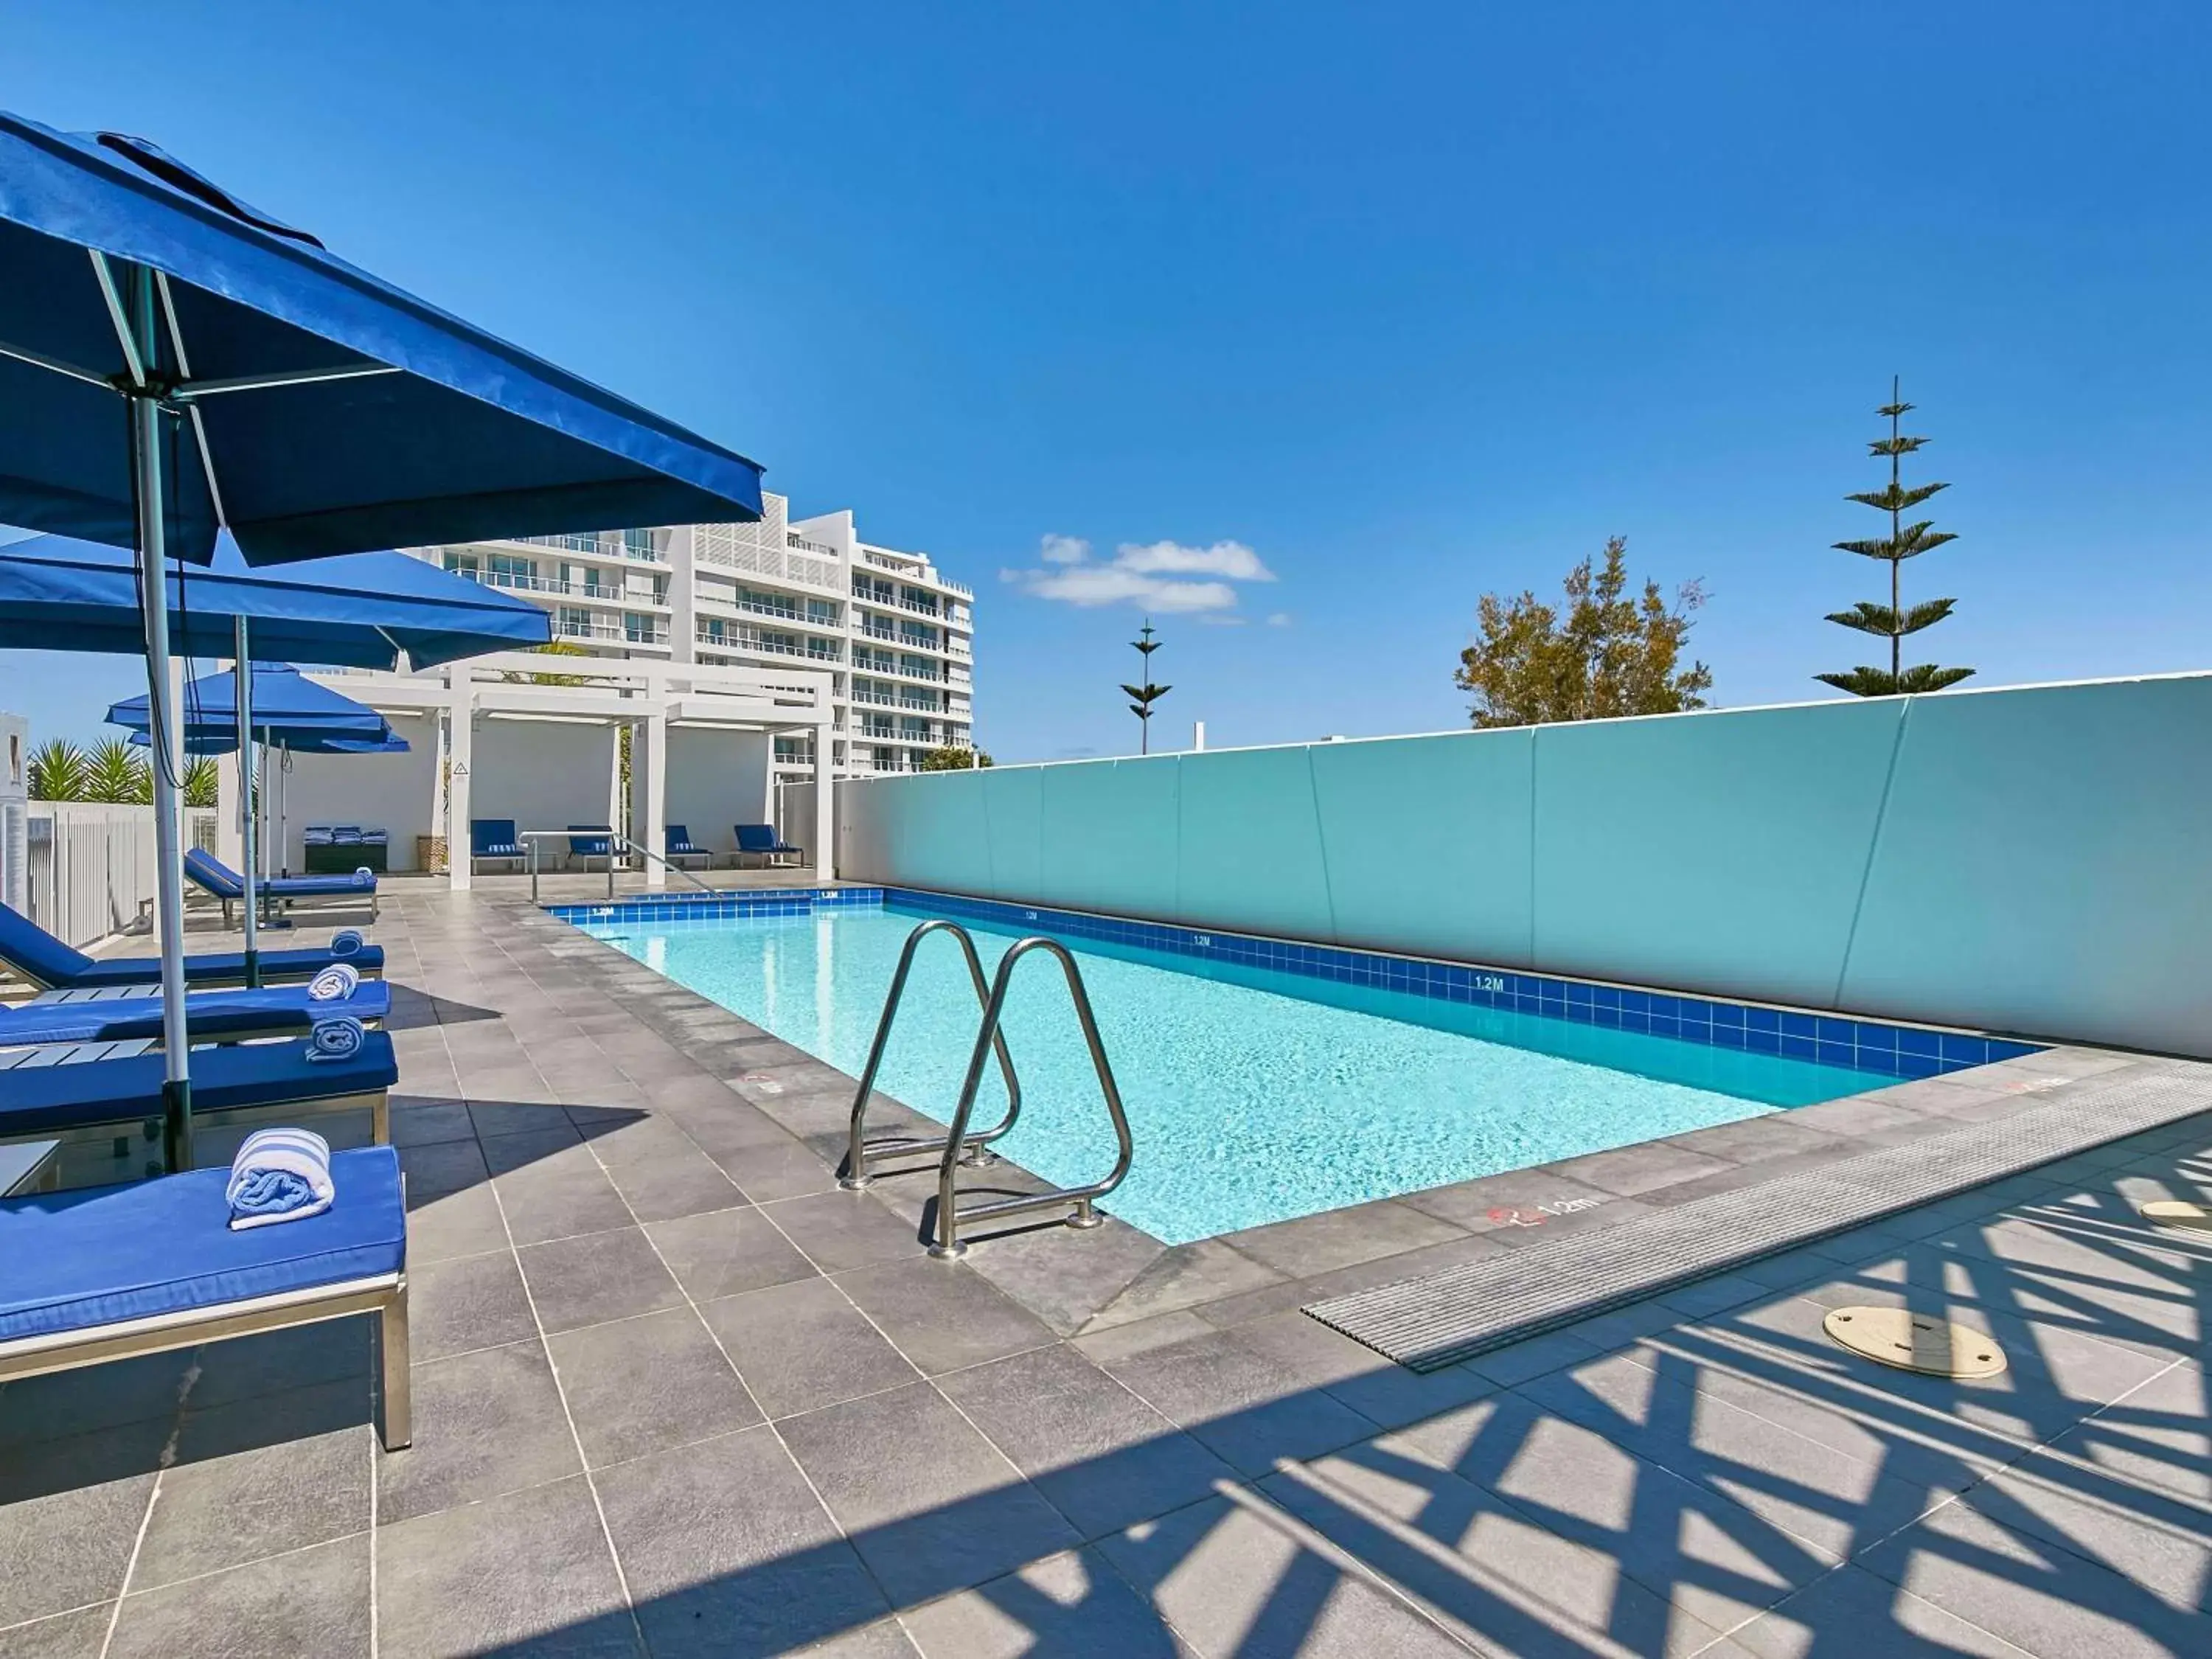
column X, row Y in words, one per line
column 1918, row 1066
column 1728, row 1014
column 1579, row 994
column 1729, row 1037
column 1836, row 1054
column 1875, row 1039
column 1762, row 1019
column 1762, row 1043
column 1606, row 996
column 1666, row 1025
column 1799, row 1048
column 1800, row 1025
column 1960, row 1051
column 1835, row 1031
column 1927, row 1044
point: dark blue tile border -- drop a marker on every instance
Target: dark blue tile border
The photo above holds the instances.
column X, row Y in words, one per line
column 1877, row 1046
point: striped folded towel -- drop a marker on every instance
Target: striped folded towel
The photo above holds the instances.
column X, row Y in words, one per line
column 279, row 1175
column 335, row 983
column 347, row 942
column 336, row 1039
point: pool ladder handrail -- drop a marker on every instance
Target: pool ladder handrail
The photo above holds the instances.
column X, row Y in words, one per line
column 974, row 1148
column 950, row 1217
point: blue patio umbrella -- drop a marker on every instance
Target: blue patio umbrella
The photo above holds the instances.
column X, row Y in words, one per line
column 355, row 610
column 282, row 705
column 271, row 388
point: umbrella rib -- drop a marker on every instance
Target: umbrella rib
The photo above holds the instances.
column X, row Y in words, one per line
column 40, row 360
column 267, row 382
column 199, row 427
column 124, row 332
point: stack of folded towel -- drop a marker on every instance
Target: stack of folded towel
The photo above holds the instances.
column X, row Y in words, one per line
column 334, row 984
column 317, row 834
column 345, row 835
column 279, row 1175
column 336, row 1039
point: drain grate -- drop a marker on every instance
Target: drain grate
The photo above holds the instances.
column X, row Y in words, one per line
column 1427, row 1324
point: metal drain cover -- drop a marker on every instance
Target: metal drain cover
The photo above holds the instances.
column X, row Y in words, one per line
column 2179, row 1212
column 1915, row 1342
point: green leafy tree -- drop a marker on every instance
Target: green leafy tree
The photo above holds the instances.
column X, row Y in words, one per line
column 1894, row 621
column 1142, row 697
column 57, row 771
column 117, row 774
column 551, row 648
column 199, row 781
column 952, row 759
column 1611, row 654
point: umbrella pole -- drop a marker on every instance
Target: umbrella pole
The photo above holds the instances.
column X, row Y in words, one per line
column 168, row 744
column 243, row 677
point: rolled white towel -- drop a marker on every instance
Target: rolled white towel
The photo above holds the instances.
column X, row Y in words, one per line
column 279, row 1175
column 347, row 942
column 335, row 983
column 364, row 875
column 336, row 1039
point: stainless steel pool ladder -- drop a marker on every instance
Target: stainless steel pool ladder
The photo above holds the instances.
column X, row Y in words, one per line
column 958, row 1145
column 976, row 1151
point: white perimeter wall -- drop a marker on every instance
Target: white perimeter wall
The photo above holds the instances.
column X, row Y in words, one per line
column 391, row 792
column 2036, row 859
column 717, row 781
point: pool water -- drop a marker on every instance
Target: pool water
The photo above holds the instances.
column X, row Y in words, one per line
column 1253, row 1094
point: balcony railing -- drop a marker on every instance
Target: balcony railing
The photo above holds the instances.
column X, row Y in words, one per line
column 739, row 639
column 569, row 629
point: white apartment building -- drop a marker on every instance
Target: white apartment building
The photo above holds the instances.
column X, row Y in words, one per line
column 896, row 636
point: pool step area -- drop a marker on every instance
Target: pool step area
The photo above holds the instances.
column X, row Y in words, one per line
column 1427, row 1324
column 960, row 1144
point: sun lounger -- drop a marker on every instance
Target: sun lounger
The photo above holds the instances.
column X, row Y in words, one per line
column 36, row 955
column 762, row 841
column 278, row 892
column 89, row 1100
column 493, row 841
column 111, row 1273
column 588, row 846
column 209, row 1016
column 680, row 845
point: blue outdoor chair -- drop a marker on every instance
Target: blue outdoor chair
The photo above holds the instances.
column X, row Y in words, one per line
column 680, row 846
column 585, row 847
column 492, row 839
column 110, row 1272
column 762, row 841
column 211, row 875
column 36, row 955
column 209, row 1016
column 99, row 1101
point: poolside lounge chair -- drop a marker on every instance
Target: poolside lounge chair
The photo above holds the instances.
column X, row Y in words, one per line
column 491, row 840
column 94, row 1101
column 589, row 847
column 762, row 841
column 209, row 1016
column 212, row 875
column 36, row 955
column 680, row 846
column 110, row 1272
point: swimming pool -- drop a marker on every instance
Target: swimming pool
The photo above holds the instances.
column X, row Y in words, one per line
column 1263, row 1081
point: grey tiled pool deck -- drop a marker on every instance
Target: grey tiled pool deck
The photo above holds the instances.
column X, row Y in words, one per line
column 676, row 1394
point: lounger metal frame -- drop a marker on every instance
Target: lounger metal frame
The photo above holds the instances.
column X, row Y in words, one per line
column 385, row 1296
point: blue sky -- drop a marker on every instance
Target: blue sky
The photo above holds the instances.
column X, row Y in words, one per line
column 1405, row 303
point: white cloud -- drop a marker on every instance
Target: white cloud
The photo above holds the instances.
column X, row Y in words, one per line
column 1146, row 576
column 1279, row 619
column 1233, row 560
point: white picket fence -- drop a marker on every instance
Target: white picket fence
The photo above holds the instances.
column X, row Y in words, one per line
column 91, row 869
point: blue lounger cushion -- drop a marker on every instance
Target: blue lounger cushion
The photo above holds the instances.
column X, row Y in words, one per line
column 225, row 883
column 53, row 1099
column 207, row 1014
column 80, row 1260
column 33, row 951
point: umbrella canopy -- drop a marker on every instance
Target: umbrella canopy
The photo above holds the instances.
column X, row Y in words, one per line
column 283, row 705
column 358, row 611
column 325, row 411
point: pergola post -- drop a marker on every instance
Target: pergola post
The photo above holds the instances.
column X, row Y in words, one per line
column 649, row 791
column 825, row 794
column 461, row 715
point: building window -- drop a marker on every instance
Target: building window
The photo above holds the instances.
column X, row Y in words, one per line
column 510, row 571
column 638, row 630
column 463, row 564
column 573, row 621
column 822, row 611
column 795, row 751
column 640, row 544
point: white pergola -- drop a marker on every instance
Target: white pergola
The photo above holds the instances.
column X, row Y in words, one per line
column 650, row 697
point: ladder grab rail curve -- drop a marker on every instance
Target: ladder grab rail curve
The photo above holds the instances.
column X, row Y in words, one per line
column 974, row 1147
column 950, row 1217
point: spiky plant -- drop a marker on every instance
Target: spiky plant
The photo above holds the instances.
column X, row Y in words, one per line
column 57, row 771
column 117, row 772
column 199, row 781
column 1142, row 697
column 1894, row 621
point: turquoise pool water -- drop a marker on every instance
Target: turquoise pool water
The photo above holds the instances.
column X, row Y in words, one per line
column 1253, row 1095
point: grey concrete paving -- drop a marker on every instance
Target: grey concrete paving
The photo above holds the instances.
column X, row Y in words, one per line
column 675, row 1394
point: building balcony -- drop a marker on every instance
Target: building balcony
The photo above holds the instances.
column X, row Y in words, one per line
column 738, row 639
